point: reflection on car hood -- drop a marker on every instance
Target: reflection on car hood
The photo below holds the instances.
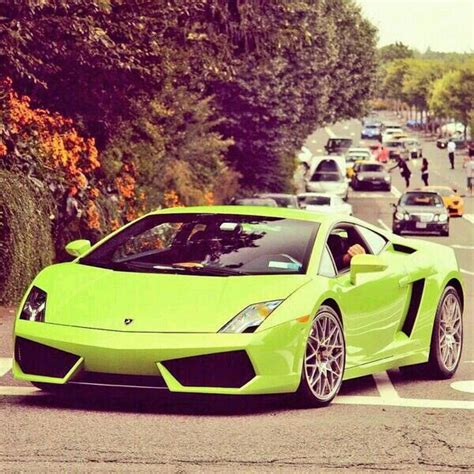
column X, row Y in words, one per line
column 423, row 209
column 85, row 296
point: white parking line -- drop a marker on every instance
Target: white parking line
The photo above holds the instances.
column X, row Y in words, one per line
column 329, row 132
column 5, row 365
column 469, row 218
column 404, row 402
column 465, row 247
column 385, row 387
column 385, row 226
column 20, row 391
column 467, row 272
column 395, row 192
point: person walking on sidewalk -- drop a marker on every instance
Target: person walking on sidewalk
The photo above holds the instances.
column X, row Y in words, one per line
column 470, row 174
column 424, row 172
column 451, row 149
column 404, row 170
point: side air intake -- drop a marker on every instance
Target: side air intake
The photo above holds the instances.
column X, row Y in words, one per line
column 415, row 300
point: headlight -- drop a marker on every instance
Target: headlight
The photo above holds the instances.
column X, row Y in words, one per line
column 399, row 216
column 443, row 218
column 436, row 218
column 360, row 178
column 387, row 178
column 35, row 305
column 251, row 317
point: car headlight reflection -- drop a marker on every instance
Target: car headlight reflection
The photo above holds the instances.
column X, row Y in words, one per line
column 251, row 317
column 443, row 218
column 34, row 308
column 399, row 216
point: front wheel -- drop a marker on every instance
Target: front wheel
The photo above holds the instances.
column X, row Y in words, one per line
column 324, row 362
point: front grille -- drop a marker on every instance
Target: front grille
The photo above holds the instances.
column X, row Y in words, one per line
column 225, row 370
column 119, row 380
column 422, row 217
column 38, row 359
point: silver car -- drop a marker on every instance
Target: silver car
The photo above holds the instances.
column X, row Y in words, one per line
column 411, row 148
column 328, row 182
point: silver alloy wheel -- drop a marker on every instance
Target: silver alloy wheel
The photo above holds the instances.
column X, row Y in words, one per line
column 324, row 359
column 450, row 332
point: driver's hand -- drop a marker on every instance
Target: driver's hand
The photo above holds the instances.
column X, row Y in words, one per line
column 356, row 249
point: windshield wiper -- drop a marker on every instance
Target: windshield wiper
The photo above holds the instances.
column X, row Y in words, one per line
column 209, row 270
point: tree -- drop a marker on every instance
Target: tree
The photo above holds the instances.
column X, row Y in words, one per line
column 392, row 52
column 453, row 95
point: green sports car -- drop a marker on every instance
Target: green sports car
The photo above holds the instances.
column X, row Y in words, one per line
column 241, row 300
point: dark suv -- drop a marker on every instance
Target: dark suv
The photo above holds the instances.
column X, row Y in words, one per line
column 338, row 146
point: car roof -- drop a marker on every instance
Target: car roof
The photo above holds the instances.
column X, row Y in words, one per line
column 261, row 211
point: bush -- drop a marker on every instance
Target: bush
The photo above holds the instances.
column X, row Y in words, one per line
column 26, row 244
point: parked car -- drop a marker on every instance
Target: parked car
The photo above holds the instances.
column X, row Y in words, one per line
column 371, row 131
column 266, row 202
column 324, row 203
column 240, row 301
column 370, row 175
column 457, row 138
column 411, row 148
column 420, row 212
column 338, row 145
column 282, row 200
column 453, row 202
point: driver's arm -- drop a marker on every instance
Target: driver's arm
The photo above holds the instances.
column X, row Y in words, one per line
column 355, row 249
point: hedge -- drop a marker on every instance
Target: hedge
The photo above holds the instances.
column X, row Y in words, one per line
column 26, row 242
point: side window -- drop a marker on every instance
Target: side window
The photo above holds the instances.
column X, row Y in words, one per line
column 375, row 241
column 326, row 268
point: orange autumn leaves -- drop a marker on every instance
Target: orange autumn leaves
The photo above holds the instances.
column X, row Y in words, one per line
column 57, row 146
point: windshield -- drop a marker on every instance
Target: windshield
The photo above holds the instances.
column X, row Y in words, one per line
column 421, row 199
column 332, row 177
column 371, row 167
column 209, row 244
column 317, row 201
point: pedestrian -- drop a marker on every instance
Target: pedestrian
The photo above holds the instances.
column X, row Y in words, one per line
column 424, row 171
column 470, row 174
column 451, row 149
column 404, row 170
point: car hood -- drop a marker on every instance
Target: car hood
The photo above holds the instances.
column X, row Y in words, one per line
column 372, row 174
column 85, row 296
column 423, row 209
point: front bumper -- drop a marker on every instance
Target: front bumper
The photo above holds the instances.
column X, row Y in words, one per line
column 373, row 184
column 415, row 227
column 269, row 361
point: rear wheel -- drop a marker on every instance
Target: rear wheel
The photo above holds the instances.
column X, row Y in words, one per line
column 325, row 357
column 446, row 339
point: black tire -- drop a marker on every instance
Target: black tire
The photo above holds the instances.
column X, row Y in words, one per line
column 436, row 367
column 308, row 394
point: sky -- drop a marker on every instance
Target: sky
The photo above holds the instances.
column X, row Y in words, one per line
column 442, row 25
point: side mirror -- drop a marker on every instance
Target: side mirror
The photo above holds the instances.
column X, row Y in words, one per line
column 366, row 264
column 76, row 248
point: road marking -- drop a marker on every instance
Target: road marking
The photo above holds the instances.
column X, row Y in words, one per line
column 319, row 150
column 5, row 365
column 385, row 226
column 330, row 132
column 359, row 195
column 20, row 391
column 467, row 272
column 464, row 386
column 466, row 247
column 385, row 387
column 469, row 218
column 404, row 402
column 395, row 191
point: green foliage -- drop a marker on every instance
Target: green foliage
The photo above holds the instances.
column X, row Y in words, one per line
column 453, row 95
column 271, row 72
column 392, row 52
column 26, row 244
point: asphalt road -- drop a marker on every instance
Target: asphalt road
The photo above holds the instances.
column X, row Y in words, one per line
column 377, row 423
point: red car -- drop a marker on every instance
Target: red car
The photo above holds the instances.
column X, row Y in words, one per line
column 379, row 152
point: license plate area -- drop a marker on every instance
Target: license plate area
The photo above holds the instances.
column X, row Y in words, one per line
column 421, row 225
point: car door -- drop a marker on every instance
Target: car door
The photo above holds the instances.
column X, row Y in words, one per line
column 373, row 307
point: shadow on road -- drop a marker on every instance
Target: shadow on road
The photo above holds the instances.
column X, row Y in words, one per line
column 164, row 402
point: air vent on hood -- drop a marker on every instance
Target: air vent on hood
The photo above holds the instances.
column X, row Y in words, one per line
column 403, row 249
